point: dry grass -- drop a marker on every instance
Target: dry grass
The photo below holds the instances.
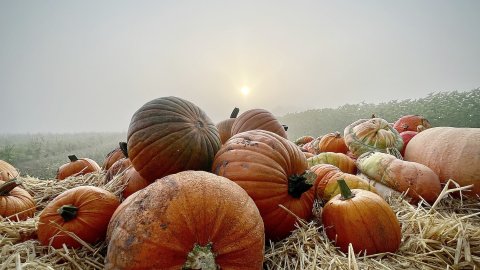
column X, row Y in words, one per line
column 445, row 235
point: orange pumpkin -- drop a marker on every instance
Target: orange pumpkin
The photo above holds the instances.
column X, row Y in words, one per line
column 326, row 185
column 225, row 127
column 134, row 182
column 77, row 167
column 412, row 122
column 120, row 165
column 333, row 142
column 362, row 218
column 272, row 170
column 112, row 157
column 452, row 153
column 339, row 160
column 183, row 218
column 15, row 203
column 84, row 211
column 7, row 171
column 258, row 119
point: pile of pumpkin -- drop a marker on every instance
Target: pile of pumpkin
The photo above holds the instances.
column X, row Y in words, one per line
column 206, row 196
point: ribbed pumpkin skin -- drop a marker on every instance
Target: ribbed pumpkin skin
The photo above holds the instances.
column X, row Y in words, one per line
column 95, row 207
column 261, row 162
column 225, row 129
column 452, row 153
column 160, row 224
column 339, row 160
column 258, row 119
column 400, row 175
column 80, row 167
column 135, row 182
column 7, row 171
column 18, row 201
column 333, row 142
column 326, row 185
column 374, row 134
column 168, row 135
column 411, row 123
column 366, row 221
column 112, row 157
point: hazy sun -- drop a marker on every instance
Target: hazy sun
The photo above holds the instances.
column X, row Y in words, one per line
column 245, row 90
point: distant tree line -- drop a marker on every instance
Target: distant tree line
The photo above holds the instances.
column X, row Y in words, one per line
column 454, row 109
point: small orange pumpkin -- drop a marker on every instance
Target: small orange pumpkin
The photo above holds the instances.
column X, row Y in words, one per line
column 77, row 167
column 120, row 165
column 15, row 203
column 333, row 142
column 112, row 157
column 134, row 180
column 7, row 171
column 84, row 211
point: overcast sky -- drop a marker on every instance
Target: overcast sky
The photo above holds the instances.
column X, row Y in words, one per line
column 72, row 66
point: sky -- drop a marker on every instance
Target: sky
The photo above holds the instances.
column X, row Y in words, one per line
column 87, row 66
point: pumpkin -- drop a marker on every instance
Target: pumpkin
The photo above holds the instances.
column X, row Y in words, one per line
column 333, row 142
column 7, row 171
column 134, row 182
column 225, row 127
column 77, row 167
column 120, row 165
column 406, row 137
column 401, row 175
column 303, row 140
column 15, row 203
column 258, row 119
column 112, row 157
column 452, row 153
column 84, row 211
column 313, row 146
column 362, row 218
column 169, row 135
column 272, row 170
column 326, row 185
column 373, row 134
column 339, row 160
column 186, row 219
column 412, row 122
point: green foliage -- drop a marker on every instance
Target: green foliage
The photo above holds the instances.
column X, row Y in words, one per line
column 40, row 155
column 454, row 109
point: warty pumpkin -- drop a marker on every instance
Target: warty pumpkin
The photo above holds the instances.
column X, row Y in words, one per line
column 400, row 175
column 225, row 126
column 333, row 142
column 15, row 203
column 184, row 219
column 339, row 160
column 77, row 167
column 113, row 156
column 84, row 211
column 7, row 171
column 362, row 218
column 273, row 171
column 169, row 135
column 258, row 119
column 452, row 153
column 411, row 122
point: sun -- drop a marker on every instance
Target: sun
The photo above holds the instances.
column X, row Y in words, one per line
column 245, row 90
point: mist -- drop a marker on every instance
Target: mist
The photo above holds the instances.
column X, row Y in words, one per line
column 83, row 66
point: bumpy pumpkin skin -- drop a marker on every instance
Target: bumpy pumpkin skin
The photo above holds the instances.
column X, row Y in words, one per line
column 339, row 160
column 452, row 153
column 77, row 167
column 112, row 157
column 159, row 225
column 374, row 134
column 366, row 221
column 169, row 135
column 400, row 175
column 333, row 142
column 412, row 122
column 17, row 204
column 95, row 207
column 7, row 171
column 258, row 119
column 262, row 163
column 326, row 185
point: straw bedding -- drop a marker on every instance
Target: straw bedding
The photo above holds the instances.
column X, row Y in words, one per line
column 445, row 235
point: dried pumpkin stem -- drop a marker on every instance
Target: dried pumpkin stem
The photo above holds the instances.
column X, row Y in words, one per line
column 6, row 187
column 68, row 212
column 234, row 113
column 298, row 184
column 72, row 158
column 201, row 258
column 344, row 190
column 123, row 147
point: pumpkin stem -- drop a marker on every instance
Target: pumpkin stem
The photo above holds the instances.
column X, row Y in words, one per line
column 201, row 258
column 72, row 158
column 6, row 187
column 123, row 147
column 337, row 134
column 285, row 127
column 345, row 190
column 234, row 113
column 298, row 184
column 68, row 212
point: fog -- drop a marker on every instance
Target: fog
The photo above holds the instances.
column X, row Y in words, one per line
column 82, row 66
